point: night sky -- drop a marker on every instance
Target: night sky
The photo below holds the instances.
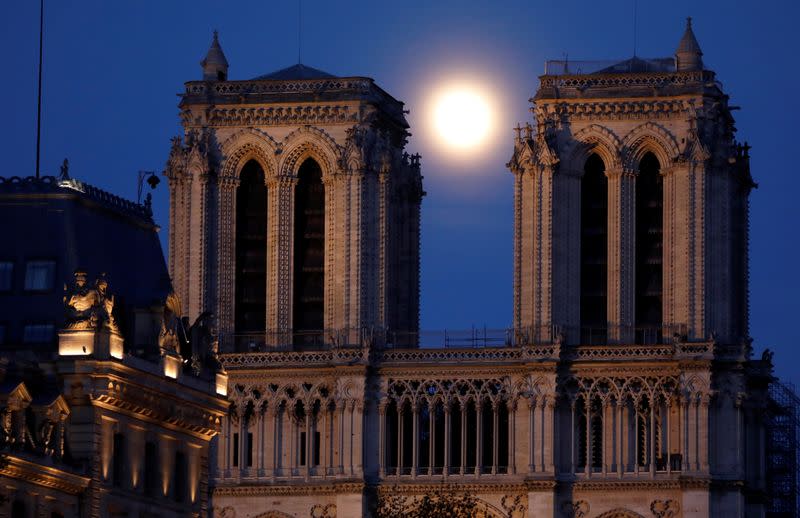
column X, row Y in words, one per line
column 113, row 69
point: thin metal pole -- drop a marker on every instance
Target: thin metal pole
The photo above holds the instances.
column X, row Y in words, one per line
column 39, row 101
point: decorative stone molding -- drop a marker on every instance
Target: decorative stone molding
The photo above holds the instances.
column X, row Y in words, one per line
column 281, row 115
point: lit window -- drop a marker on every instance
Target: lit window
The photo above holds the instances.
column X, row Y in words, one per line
column 39, row 275
column 6, row 272
column 38, row 333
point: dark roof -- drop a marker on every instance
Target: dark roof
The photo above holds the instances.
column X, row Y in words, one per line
column 294, row 72
column 635, row 64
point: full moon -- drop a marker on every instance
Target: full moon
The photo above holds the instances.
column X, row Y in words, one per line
column 462, row 118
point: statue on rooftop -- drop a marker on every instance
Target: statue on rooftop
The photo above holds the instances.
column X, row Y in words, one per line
column 89, row 308
column 168, row 337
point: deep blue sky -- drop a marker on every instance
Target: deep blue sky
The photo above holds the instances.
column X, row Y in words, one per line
column 112, row 70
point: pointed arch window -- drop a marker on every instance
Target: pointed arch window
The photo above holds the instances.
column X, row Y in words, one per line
column 251, row 251
column 649, row 250
column 309, row 254
column 594, row 251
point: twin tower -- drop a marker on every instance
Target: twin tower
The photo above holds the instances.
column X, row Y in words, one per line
column 295, row 212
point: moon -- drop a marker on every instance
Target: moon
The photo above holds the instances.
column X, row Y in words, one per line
column 462, row 118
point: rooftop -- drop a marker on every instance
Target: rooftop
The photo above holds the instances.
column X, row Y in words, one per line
column 294, row 72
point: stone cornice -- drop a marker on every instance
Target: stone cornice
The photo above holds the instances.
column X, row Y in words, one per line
column 614, row 109
column 677, row 483
column 45, row 476
column 276, row 116
column 303, row 488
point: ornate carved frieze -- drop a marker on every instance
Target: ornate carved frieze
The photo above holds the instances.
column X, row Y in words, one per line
column 279, row 115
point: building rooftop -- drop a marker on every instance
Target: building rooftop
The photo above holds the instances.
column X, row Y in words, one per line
column 294, row 72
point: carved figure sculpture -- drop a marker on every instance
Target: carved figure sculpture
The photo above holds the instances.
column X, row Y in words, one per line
column 88, row 308
column 168, row 337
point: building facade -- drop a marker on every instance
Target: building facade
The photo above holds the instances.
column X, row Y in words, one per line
column 100, row 416
column 626, row 386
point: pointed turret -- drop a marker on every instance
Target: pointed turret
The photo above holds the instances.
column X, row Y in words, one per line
column 688, row 56
column 215, row 66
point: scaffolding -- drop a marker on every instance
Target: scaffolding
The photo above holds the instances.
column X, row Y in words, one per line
column 782, row 466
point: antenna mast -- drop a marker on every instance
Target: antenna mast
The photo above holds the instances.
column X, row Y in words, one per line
column 39, row 101
column 634, row 27
column 299, row 31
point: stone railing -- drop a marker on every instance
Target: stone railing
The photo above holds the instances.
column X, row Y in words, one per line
column 626, row 80
column 267, row 86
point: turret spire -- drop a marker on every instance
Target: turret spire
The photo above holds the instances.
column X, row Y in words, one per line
column 215, row 66
column 688, row 56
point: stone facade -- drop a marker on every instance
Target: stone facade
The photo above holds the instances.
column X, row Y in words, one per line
column 355, row 133
column 626, row 386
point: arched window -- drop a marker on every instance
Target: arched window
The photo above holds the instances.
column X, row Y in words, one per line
column 251, row 251
column 309, row 254
column 594, row 251
column 649, row 254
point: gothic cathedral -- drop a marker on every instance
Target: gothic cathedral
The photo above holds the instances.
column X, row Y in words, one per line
column 626, row 386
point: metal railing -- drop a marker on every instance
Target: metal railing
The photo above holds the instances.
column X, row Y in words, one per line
column 559, row 67
column 473, row 338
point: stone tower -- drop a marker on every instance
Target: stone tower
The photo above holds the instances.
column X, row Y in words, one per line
column 631, row 253
column 631, row 204
column 294, row 209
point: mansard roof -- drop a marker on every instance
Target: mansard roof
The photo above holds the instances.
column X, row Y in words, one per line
column 294, row 72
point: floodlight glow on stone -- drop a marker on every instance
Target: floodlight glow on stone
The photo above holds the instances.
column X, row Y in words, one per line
column 462, row 118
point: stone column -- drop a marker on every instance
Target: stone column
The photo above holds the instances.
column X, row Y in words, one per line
column 573, row 439
column 259, row 442
column 307, row 412
column 619, row 441
column 269, row 443
column 495, row 438
column 463, row 438
column 534, row 439
column 342, row 404
column 447, row 440
column 652, row 436
column 549, row 435
column 382, row 439
column 415, row 440
column 399, row 438
column 588, row 455
column 479, row 437
column 280, row 255
column 226, row 262
column 703, row 432
column 621, row 275
column 605, row 444
column 511, row 407
column 685, row 434
column 431, row 439
column 357, row 437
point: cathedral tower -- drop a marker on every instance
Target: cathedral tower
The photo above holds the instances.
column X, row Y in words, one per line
column 294, row 209
column 631, row 204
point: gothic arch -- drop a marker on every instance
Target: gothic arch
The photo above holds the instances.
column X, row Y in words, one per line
column 653, row 138
column 594, row 139
column 308, row 142
column 619, row 513
column 245, row 145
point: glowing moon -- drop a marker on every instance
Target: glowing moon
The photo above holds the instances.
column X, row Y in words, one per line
column 462, row 118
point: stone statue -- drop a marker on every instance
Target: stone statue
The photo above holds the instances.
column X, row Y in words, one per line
column 47, row 437
column 88, row 308
column 7, row 427
column 168, row 337
column 64, row 174
column 80, row 303
column 201, row 339
column 106, row 303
